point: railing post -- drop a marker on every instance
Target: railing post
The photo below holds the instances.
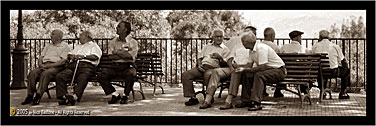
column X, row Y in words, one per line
column 19, row 59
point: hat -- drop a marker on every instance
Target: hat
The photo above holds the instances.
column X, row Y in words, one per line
column 251, row 27
column 324, row 33
column 295, row 33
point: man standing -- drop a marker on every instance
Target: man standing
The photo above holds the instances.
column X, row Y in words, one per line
column 337, row 61
column 89, row 54
column 211, row 57
column 269, row 69
column 295, row 45
column 120, row 48
column 51, row 61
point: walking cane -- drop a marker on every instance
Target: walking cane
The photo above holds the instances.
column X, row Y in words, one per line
column 71, row 85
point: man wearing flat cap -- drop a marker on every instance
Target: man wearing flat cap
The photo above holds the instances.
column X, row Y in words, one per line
column 295, row 45
column 337, row 61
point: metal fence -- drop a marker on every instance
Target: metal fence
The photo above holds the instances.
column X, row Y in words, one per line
column 180, row 55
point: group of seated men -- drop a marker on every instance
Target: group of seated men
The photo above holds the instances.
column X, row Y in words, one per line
column 244, row 60
column 59, row 61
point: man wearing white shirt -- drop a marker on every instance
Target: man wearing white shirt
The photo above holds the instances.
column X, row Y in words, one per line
column 337, row 61
column 270, row 68
column 211, row 57
column 295, row 45
column 89, row 54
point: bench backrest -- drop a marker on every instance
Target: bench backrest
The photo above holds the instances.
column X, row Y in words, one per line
column 146, row 64
column 301, row 68
column 325, row 66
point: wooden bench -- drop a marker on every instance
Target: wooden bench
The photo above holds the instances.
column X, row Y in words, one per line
column 147, row 64
column 302, row 69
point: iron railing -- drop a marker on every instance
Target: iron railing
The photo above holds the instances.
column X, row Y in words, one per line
column 180, row 55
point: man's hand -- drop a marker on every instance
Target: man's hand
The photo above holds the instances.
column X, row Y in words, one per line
column 215, row 56
column 200, row 68
column 42, row 66
column 79, row 57
column 239, row 69
column 116, row 51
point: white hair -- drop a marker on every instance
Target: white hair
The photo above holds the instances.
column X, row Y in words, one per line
column 215, row 30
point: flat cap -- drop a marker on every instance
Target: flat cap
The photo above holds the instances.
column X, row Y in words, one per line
column 295, row 33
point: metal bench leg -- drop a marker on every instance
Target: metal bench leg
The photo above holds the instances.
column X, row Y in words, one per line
column 300, row 96
column 48, row 91
column 134, row 98
column 48, row 94
column 220, row 91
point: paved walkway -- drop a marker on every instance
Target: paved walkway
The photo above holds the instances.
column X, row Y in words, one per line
column 172, row 104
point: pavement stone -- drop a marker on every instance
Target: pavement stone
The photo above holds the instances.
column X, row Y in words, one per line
column 172, row 104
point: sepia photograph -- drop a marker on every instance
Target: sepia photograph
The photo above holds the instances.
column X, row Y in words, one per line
column 237, row 63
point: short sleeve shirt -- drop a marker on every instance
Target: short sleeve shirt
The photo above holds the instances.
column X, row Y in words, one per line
column 89, row 48
column 54, row 53
column 334, row 52
column 293, row 47
column 209, row 49
column 238, row 51
column 272, row 45
column 264, row 54
column 131, row 43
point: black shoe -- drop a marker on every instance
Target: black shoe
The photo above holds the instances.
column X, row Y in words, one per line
column 28, row 100
column 71, row 99
column 36, row 99
column 114, row 99
column 205, row 105
column 255, row 107
column 226, row 106
column 243, row 104
column 62, row 100
column 124, row 100
column 192, row 101
column 266, row 94
column 278, row 94
column 343, row 96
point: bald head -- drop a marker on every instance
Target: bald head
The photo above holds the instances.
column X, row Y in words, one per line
column 56, row 36
column 86, row 36
column 269, row 34
column 323, row 34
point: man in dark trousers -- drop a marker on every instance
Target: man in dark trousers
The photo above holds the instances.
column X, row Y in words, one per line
column 270, row 68
column 119, row 49
column 338, row 63
column 50, row 62
column 89, row 54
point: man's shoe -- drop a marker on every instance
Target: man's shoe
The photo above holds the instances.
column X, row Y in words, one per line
column 114, row 99
column 278, row 94
column 36, row 99
column 343, row 96
column 192, row 101
column 226, row 106
column 71, row 99
column 255, row 107
column 243, row 104
column 28, row 100
column 266, row 94
column 124, row 100
column 205, row 105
